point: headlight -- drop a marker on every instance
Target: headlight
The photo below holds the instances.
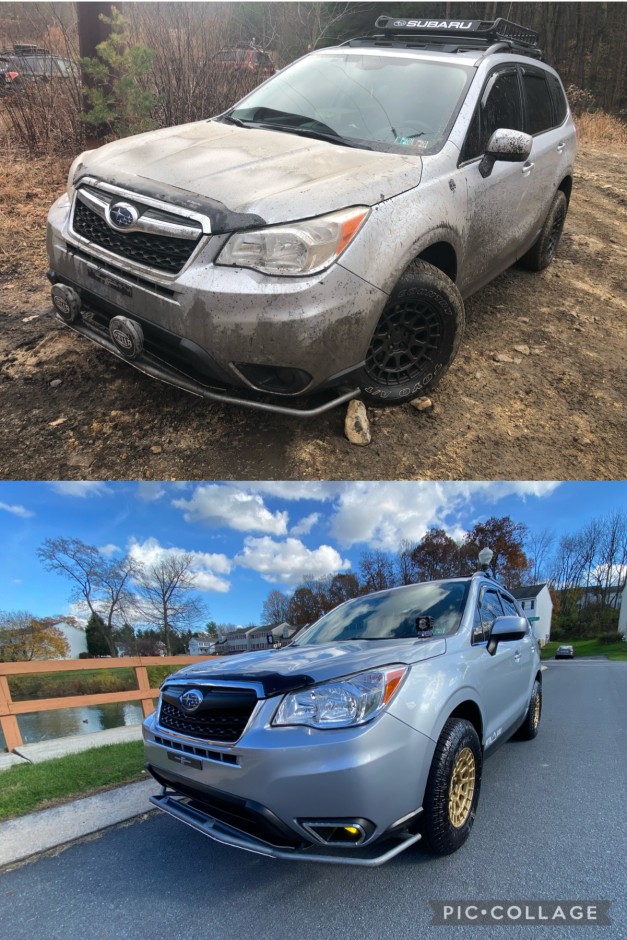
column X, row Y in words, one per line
column 342, row 704
column 298, row 248
column 73, row 169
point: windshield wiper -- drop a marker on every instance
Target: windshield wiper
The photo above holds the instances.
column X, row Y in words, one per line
column 229, row 119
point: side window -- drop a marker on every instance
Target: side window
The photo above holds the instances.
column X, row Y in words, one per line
column 489, row 608
column 477, row 628
column 500, row 106
column 537, row 102
column 559, row 99
column 509, row 606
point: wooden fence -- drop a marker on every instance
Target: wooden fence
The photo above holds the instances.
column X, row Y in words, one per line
column 143, row 693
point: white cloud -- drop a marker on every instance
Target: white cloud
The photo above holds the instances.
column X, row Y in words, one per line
column 382, row 514
column 319, row 491
column 216, row 504
column 206, row 566
column 306, row 524
column 80, row 488
column 150, row 492
column 17, row 510
column 109, row 549
column 290, row 561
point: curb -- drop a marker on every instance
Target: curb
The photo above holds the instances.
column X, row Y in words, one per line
column 49, row 828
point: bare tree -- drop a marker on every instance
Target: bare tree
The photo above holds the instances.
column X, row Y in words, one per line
column 102, row 585
column 377, row 571
column 538, row 546
column 167, row 598
column 275, row 608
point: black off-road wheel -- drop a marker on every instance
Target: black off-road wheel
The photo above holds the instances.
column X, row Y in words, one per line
column 529, row 728
column 543, row 251
column 452, row 792
column 416, row 338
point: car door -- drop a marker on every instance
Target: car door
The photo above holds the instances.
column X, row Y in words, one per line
column 498, row 211
column 549, row 153
column 524, row 658
column 501, row 678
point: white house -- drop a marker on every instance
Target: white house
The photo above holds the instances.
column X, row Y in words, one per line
column 203, row 645
column 537, row 606
column 244, row 640
column 622, row 615
column 76, row 638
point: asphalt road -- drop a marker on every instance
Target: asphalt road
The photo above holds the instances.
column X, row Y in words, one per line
column 551, row 825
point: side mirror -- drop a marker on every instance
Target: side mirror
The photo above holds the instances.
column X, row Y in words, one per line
column 511, row 146
column 506, row 628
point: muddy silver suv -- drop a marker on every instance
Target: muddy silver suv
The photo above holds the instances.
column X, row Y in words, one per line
column 321, row 234
column 363, row 736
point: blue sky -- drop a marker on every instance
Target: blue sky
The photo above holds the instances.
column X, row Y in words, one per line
column 249, row 538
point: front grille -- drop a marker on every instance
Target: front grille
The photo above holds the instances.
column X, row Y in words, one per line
column 162, row 252
column 227, row 725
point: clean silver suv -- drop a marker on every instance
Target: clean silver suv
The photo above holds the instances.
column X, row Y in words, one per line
column 361, row 737
column 321, row 234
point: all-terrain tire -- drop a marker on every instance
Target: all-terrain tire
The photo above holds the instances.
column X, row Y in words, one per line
column 543, row 251
column 449, row 810
column 416, row 338
column 529, row 728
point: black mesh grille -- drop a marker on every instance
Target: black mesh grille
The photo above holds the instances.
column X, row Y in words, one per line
column 225, row 725
column 156, row 251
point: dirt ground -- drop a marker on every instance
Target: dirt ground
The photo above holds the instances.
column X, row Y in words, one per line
column 555, row 410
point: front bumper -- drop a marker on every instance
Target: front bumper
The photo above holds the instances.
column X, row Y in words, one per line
column 263, row 792
column 219, row 831
column 219, row 329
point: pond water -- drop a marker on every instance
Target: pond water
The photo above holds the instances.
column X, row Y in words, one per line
column 44, row 726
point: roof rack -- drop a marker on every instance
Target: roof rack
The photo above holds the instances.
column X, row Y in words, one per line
column 492, row 36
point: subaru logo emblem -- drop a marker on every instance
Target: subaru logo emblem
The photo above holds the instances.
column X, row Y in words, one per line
column 191, row 700
column 123, row 215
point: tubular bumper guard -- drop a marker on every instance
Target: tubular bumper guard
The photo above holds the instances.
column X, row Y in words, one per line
column 219, row 831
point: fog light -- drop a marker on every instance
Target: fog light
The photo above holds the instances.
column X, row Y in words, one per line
column 347, row 832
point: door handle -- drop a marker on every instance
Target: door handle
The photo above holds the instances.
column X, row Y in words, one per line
column 517, row 657
column 560, row 146
column 527, row 168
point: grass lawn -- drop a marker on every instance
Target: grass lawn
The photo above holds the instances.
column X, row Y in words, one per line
column 29, row 787
column 614, row 651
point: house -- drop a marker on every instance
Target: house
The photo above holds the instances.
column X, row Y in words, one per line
column 249, row 639
column 202, row 645
column 537, row 606
column 76, row 638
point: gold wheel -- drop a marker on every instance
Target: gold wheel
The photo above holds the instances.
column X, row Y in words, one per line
column 536, row 712
column 462, row 788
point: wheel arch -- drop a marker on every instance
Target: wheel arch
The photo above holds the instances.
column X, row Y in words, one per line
column 443, row 256
column 465, row 706
column 566, row 186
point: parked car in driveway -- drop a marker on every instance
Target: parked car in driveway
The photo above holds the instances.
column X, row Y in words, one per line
column 363, row 736
column 322, row 234
column 565, row 652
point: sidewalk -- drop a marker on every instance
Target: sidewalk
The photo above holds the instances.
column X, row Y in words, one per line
column 49, row 828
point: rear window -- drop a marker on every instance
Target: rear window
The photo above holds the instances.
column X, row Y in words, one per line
column 558, row 97
column 538, row 102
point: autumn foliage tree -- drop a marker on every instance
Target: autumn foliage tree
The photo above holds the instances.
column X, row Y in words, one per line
column 24, row 637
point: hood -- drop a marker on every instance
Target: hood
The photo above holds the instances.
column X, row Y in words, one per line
column 296, row 667
column 271, row 176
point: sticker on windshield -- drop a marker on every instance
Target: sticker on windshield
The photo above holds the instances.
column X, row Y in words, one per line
column 414, row 142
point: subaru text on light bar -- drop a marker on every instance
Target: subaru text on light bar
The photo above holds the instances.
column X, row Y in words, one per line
column 316, row 241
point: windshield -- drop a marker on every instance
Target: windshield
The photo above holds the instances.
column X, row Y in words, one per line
column 388, row 102
column 393, row 615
